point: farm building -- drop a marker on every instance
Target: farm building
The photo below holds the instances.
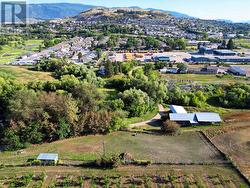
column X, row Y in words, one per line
column 177, row 109
column 180, row 115
column 48, row 158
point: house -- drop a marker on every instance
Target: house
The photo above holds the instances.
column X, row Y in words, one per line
column 48, row 158
column 180, row 115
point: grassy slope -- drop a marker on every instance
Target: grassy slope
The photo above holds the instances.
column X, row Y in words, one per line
column 189, row 147
column 23, row 74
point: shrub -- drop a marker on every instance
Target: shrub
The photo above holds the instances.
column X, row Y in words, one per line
column 108, row 161
column 36, row 163
column 143, row 162
column 171, row 128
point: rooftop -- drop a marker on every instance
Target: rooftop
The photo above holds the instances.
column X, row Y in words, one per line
column 177, row 109
column 48, row 156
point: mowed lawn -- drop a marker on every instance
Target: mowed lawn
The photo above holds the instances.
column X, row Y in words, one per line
column 205, row 78
column 236, row 144
column 187, row 148
column 10, row 53
column 23, row 74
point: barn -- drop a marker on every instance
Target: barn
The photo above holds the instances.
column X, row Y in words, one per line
column 180, row 115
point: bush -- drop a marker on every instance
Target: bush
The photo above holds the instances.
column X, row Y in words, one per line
column 171, row 128
column 36, row 163
column 108, row 161
column 143, row 162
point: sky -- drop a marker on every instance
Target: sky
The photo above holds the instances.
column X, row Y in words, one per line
column 235, row 10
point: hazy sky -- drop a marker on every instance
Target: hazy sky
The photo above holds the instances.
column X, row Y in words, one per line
column 236, row 10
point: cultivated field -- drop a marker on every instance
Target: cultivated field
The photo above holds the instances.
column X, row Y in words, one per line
column 194, row 176
column 236, row 144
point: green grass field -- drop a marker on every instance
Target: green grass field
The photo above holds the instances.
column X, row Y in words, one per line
column 10, row 53
column 201, row 78
column 245, row 43
column 186, row 148
column 23, row 74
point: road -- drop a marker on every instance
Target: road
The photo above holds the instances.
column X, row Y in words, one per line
column 154, row 121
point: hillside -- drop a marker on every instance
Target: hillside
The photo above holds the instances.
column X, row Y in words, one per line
column 56, row 10
column 63, row 10
column 120, row 14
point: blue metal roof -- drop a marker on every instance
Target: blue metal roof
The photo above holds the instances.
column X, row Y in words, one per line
column 177, row 109
column 183, row 117
column 208, row 117
column 48, row 156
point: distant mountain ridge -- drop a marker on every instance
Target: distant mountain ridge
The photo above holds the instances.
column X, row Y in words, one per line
column 47, row 11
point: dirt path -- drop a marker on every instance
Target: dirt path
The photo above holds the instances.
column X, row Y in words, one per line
column 154, row 121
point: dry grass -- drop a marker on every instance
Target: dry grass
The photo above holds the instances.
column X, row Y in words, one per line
column 236, row 144
column 23, row 74
column 190, row 147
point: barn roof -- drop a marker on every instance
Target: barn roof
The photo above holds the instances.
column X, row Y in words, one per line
column 183, row 117
column 48, row 156
column 177, row 109
column 208, row 117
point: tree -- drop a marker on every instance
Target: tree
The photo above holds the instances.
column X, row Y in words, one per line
column 109, row 67
column 230, row 44
column 182, row 67
column 170, row 128
column 99, row 53
column 136, row 102
column 79, row 56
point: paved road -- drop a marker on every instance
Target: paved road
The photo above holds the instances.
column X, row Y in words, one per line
column 154, row 121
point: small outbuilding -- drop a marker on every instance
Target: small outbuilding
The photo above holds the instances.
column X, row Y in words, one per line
column 48, row 158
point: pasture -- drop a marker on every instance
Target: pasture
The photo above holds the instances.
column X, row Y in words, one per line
column 190, row 147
